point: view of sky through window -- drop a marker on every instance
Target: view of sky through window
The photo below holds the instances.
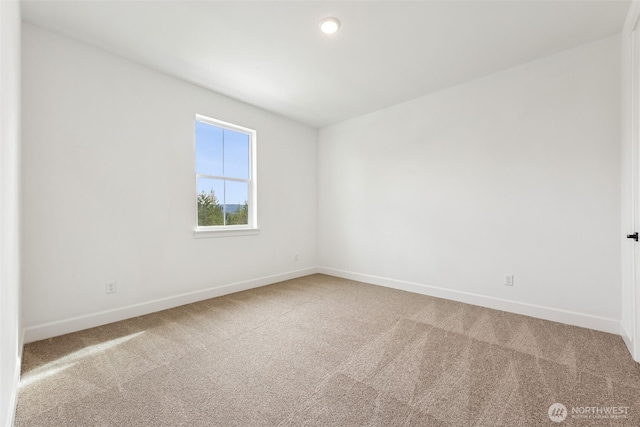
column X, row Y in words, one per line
column 222, row 153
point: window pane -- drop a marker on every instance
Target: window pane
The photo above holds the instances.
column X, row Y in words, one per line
column 236, row 154
column 210, row 199
column 223, row 173
column 236, row 202
column 208, row 149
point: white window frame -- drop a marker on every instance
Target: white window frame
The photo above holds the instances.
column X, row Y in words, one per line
column 230, row 230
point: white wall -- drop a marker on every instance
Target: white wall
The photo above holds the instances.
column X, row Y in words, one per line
column 514, row 173
column 108, row 177
column 10, row 336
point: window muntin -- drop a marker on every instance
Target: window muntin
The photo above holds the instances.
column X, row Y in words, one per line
column 225, row 175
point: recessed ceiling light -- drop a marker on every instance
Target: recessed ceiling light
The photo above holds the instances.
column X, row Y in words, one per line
column 329, row 25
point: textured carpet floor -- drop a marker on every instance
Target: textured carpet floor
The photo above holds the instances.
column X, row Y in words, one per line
column 323, row 351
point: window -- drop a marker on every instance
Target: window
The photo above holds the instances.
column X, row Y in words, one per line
column 225, row 176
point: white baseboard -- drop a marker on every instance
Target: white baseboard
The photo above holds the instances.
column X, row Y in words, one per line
column 61, row 327
column 597, row 323
column 628, row 341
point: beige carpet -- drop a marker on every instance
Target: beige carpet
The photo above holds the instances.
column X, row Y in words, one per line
column 323, row 351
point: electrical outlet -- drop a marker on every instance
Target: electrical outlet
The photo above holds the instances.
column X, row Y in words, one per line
column 295, row 257
column 508, row 279
column 110, row 287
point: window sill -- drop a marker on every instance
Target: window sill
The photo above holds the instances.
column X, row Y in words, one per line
column 206, row 233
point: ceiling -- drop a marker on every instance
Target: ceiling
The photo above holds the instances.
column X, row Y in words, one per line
column 271, row 54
